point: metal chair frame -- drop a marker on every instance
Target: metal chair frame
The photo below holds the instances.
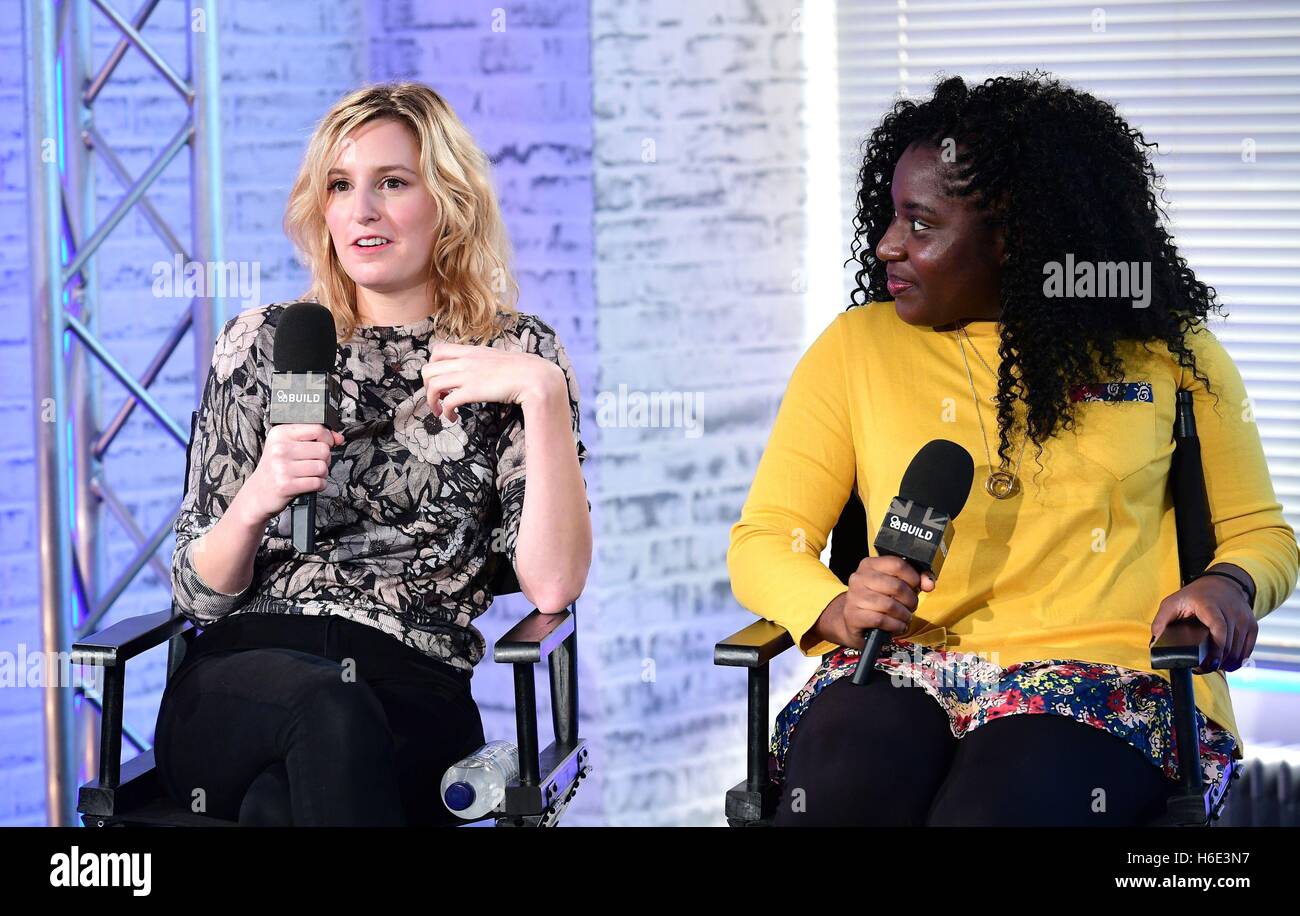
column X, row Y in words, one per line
column 1181, row 648
column 130, row 794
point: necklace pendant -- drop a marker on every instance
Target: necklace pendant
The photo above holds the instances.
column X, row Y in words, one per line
column 1002, row 484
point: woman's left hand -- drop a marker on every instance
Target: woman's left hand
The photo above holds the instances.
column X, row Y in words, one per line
column 1221, row 605
column 459, row 374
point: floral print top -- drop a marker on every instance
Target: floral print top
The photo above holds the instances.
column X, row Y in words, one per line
column 417, row 512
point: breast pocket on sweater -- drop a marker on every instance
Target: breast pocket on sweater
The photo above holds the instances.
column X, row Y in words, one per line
column 1116, row 426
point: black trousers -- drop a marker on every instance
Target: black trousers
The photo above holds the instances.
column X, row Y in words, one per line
column 276, row 719
column 884, row 755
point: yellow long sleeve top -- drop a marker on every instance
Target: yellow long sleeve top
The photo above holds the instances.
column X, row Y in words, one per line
column 1075, row 565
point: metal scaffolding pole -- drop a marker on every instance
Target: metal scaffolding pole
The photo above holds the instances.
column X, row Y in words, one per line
column 51, row 408
column 205, row 177
column 68, row 353
column 84, row 377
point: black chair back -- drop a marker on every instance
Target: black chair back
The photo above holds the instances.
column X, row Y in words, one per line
column 1187, row 482
column 850, row 541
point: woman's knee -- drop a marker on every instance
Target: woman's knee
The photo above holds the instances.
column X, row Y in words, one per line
column 869, row 755
column 340, row 758
column 1047, row 770
column 341, row 714
column 267, row 802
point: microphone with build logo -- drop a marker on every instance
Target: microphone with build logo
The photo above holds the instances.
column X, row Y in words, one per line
column 304, row 390
column 918, row 525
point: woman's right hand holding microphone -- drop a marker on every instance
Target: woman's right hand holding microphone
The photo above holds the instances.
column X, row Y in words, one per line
column 295, row 459
column 883, row 594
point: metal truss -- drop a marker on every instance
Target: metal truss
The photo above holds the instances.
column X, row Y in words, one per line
column 68, row 352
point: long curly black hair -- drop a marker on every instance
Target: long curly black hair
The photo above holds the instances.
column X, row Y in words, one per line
column 1064, row 173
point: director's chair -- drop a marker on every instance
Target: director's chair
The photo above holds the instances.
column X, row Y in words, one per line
column 130, row 794
column 1183, row 646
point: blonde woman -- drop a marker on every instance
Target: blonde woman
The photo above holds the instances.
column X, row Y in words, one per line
column 339, row 680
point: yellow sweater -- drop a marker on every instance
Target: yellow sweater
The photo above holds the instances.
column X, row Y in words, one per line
column 1075, row 565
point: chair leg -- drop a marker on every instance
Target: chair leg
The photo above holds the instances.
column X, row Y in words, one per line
column 1186, row 738
column 753, row 802
column 1187, row 807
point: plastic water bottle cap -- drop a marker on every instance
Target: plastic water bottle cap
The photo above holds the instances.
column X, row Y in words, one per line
column 459, row 796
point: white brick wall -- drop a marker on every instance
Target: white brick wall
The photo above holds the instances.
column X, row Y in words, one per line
column 21, row 763
column 672, row 272
column 699, row 177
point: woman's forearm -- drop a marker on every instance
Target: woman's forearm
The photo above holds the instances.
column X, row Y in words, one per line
column 553, row 548
column 829, row 626
column 223, row 556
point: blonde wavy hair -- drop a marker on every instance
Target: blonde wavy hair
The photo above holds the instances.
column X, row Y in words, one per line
column 470, row 261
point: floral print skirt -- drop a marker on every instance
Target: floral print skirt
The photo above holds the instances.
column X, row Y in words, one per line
column 1136, row 706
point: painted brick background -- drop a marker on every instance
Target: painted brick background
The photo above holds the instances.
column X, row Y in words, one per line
column 649, row 160
column 21, row 764
column 699, row 235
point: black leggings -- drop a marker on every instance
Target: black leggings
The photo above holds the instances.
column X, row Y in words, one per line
column 884, row 755
column 312, row 720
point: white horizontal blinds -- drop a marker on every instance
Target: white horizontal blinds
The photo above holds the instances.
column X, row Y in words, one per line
column 1217, row 84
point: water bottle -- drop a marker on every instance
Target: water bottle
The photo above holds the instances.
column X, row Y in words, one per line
column 477, row 785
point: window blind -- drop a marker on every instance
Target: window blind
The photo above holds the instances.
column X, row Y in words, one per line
column 1216, row 83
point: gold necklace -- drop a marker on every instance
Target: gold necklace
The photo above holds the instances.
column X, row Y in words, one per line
column 994, row 398
column 1000, row 484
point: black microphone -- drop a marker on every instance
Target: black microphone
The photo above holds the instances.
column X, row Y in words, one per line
column 304, row 390
column 918, row 525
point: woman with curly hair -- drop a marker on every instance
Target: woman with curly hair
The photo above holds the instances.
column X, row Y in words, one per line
column 1019, row 691
column 333, row 687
